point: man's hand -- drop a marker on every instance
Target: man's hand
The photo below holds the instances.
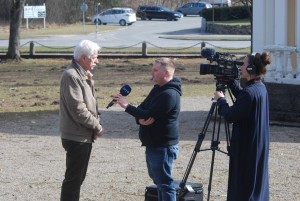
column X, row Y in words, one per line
column 98, row 134
column 147, row 121
column 121, row 101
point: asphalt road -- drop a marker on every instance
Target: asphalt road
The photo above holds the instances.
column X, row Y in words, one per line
column 154, row 32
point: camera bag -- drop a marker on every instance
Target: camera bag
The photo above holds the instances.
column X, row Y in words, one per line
column 191, row 192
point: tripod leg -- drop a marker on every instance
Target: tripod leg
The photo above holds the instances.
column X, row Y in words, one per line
column 214, row 146
column 201, row 137
column 228, row 136
column 211, row 175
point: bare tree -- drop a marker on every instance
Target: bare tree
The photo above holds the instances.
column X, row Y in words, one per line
column 5, row 11
column 14, row 30
column 68, row 11
column 248, row 5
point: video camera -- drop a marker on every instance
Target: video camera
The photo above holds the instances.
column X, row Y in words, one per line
column 224, row 67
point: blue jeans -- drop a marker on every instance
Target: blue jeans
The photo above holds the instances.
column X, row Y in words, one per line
column 160, row 165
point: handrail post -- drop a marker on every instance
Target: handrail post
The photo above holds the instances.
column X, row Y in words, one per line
column 32, row 49
column 144, row 49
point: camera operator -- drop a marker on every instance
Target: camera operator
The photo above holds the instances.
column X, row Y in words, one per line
column 249, row 144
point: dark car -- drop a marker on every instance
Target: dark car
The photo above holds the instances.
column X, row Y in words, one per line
column 157, row 12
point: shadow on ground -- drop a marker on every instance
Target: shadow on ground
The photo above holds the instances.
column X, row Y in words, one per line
column 118, row 125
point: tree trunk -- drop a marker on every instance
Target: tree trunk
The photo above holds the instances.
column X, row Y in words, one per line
column 14, row 31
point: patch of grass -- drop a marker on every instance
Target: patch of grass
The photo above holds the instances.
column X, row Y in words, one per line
column 55, row 29
column 33, row 84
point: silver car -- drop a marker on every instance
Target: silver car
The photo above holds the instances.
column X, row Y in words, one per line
column 122, row 16
column 193, row 8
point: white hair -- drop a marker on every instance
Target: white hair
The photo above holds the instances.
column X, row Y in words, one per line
column 86, row 48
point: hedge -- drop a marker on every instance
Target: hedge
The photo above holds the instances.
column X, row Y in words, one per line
column 226, row 13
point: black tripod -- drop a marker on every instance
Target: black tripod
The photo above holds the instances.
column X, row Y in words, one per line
column 214, row 145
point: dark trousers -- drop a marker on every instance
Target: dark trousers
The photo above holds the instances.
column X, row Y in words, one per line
column 77, row 159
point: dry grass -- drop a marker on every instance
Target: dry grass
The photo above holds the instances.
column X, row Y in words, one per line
column 33, row 84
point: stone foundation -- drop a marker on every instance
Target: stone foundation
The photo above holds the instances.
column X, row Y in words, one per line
column 284, row 100
column 228, row 29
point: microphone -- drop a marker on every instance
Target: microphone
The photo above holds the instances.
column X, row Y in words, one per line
column 124, row 91
column 208, row 53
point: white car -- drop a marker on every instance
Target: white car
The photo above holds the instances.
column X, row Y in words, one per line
column 120, row 16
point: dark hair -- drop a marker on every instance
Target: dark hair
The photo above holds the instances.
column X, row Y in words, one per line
column 265, row 59
column 260, row 61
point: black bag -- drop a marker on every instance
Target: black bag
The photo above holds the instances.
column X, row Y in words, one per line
column 191, row 192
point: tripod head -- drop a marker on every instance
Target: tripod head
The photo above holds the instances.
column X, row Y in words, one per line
column 221, row 86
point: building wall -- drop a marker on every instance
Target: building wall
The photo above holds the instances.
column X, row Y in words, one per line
column 291, row 41
column 276, row 28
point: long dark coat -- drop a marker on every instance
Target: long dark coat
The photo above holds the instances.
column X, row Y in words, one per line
column 249, row 144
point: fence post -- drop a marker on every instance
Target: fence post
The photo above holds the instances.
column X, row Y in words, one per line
column 203, row 25
column 32, row 49
column 144, row 49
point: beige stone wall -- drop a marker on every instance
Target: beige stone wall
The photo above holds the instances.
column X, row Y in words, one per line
column 228, row 29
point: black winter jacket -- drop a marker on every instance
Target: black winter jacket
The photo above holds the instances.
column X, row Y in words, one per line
column 163, row 104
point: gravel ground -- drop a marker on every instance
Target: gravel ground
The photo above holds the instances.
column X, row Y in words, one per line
column 33, row 160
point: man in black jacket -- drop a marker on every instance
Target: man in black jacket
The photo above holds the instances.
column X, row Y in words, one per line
column 158, row 117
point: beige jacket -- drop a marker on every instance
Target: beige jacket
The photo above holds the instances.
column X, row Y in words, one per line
column 78, row 113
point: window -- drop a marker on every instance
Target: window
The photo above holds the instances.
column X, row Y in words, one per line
column 128, row 11
column 116, row 12
column 108, row 12
column 141, row 8
column 201, row 5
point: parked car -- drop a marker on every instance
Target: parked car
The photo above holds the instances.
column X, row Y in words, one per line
column 157, row 12
column 193, row 8
column 120, row 16
column 220, row 3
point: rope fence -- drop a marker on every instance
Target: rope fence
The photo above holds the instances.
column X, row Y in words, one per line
column 143, row 50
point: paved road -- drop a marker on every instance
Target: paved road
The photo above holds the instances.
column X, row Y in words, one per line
column 155, row 32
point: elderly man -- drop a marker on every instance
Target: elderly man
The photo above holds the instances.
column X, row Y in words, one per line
column 79, row 118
